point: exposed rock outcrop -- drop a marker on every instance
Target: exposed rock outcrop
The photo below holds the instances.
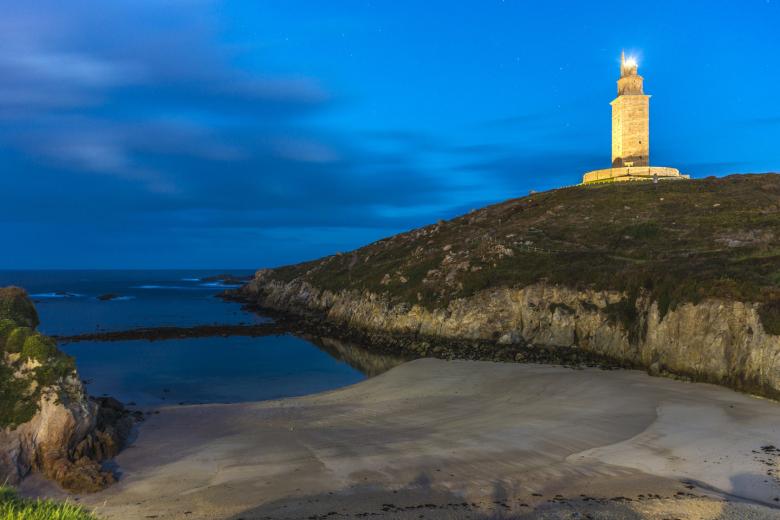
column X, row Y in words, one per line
column 716, row 341
column 47, row 422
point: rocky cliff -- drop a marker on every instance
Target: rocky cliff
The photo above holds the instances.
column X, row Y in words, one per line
column 679, row 278
column 47, row 422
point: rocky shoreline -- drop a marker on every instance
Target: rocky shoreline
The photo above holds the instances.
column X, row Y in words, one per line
column 315, row 326
column 48, row 424
column 680, row 279
column 167, row 333
column 68, row 442
column 714, row 341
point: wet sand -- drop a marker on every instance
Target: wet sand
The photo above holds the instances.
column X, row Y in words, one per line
column 460, row 439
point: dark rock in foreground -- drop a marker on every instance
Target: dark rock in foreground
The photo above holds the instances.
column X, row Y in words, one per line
column 47, row 422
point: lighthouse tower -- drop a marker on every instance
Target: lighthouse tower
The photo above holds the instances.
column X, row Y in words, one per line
column 631, row 133
column 630, row 118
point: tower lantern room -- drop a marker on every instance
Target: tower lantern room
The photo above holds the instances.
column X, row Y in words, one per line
column 630, row 81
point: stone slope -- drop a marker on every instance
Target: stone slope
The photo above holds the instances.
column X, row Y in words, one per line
column 47, row 422
column 680, row 278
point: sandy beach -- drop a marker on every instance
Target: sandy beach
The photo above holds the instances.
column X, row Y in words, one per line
column 459, row 439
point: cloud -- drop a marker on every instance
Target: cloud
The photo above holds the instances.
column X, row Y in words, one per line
column 517, row 121
column 485, row 149
column 405, row 140
column 137, row 119
column 165, row 130
column 79, row 70
column 536, row 169
column 302, row 150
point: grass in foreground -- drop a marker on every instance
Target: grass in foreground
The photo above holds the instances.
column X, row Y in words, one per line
column 13, row 507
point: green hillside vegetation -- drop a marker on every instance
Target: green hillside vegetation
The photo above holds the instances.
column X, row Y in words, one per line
column 675, row 241
column 30, row 363
column 13, row 507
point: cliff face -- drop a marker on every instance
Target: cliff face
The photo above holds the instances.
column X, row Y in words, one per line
column 716, row 341
column 47, row 422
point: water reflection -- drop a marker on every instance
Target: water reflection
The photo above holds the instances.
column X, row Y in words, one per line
column 210, row 370
column 369, row 363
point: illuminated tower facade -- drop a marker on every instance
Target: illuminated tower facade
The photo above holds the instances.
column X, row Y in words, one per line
column 631, row 134
column 630, row 118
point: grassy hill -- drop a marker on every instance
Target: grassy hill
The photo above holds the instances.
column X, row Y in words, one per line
column 677, row 241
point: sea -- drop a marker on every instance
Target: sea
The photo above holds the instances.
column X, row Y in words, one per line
column 159, row 373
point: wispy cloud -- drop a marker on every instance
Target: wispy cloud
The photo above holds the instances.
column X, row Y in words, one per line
column 170, row 115
column 517, row 121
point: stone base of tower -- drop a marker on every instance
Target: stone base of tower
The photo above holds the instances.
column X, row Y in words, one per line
column 632, row 173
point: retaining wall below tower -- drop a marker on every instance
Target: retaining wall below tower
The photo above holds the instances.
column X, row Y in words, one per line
column 634, row 173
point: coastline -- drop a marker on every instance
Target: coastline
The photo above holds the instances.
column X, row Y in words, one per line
column 679, row 279
column 432, row 435
column 712, row 341
column 410, row 345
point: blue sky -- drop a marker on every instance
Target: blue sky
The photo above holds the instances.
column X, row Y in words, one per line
column 196, row 133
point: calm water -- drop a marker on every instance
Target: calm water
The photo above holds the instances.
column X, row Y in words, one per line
column 200, row 370
column 67, row 300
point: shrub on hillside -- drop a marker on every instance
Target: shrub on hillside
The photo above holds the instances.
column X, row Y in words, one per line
column 22, row 385
column 16, row 306
column 770, row 317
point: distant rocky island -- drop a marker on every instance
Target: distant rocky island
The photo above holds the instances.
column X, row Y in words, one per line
column 681, row 278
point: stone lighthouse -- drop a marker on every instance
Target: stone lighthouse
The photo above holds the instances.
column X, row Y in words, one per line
column 630, row 118
column 630, row 132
